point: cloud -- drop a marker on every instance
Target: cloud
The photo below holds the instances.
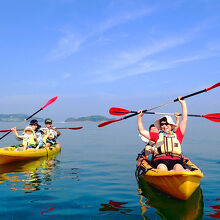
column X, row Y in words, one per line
column 198, row 56
column 66, row 75
column 146, row 66
column 71, row 42
column 123, row 18
column 66, row 46
column 157, row 55
column 137, row 61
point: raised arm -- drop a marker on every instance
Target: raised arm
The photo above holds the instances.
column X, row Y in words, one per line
column 16, row 133
column 183, row 122
column 177, row 115
column 141, row 128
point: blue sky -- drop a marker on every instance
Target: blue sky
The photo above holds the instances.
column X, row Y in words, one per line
column 95, row 54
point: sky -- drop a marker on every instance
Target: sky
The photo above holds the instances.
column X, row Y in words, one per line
column 96, row 54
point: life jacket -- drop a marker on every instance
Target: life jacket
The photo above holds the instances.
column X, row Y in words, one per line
column 29, row 140
column 44, row 139
column 167, row 145
column 50, row 133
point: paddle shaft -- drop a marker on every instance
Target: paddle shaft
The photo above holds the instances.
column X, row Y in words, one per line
column 175, row 100
column 161, row 113
column 70, row 128
column 212, row 116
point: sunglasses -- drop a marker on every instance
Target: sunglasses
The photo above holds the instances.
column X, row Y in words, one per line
column 161, row 124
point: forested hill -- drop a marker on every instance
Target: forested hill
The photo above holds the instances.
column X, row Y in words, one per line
column 93, row 118
column 15, row 117
column 21, row 117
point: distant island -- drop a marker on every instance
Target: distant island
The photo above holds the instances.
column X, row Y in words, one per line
column 93, row 118
column 22, row 117
column 15, row 117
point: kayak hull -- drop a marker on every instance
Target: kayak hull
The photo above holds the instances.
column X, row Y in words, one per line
column 167, row 207
column 9, row 155
column 180, row 185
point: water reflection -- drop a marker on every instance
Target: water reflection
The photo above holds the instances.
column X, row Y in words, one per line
column 115, row 206
column 30, row 175
column 168, row 207
column 216, row 209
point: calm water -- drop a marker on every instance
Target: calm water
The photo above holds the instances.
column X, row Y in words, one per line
column 93, row 177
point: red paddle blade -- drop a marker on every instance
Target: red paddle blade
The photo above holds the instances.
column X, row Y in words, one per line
column 213, row 117
column 214, row 86
column 5, row 130
column 50, row 102
column 109, row 122
column 74, row 128
column 118, row 111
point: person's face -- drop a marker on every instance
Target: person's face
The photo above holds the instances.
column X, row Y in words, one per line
column 154, row 129
column 28, row 132
column 165, row 126
column 48, row 125
column 34, row 126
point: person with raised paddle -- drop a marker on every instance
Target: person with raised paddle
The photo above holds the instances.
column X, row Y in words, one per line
column 167, row 149
column 149, row 147
column 51, row 132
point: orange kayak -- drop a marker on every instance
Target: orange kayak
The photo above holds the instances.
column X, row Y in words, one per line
column 180, row 185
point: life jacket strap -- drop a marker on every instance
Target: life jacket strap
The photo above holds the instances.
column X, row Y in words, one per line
column 167, row 154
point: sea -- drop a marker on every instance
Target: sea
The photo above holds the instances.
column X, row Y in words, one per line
column 93, row 177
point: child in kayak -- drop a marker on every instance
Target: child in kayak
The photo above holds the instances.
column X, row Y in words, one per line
column 167, row 148
column 149, row 149
column 29, row 138
column 51, row 133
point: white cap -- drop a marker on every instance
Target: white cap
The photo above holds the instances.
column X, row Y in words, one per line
column 169, row 120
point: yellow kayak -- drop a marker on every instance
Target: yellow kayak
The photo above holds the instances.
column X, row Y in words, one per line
column 9, row 155
column 180, row 185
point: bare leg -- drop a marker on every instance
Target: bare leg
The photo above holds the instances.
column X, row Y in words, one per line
column 178, row 167
column 162, row 166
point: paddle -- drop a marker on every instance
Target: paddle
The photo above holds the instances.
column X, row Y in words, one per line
column 175, row 100
column 120, row 111
column 71, row 128
column 48, row 103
